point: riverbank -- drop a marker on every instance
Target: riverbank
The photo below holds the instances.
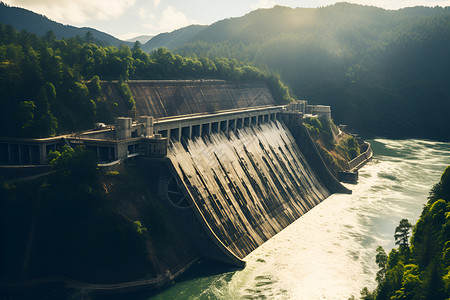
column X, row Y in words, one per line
column 419, row 267
column 340, row 150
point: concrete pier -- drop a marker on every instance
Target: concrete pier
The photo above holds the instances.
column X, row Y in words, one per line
column 145, row 136
column 196, row 125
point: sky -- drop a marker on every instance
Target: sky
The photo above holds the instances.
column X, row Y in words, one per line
column 126, row 19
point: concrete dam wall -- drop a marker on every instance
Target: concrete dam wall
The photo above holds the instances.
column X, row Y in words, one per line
column 233, row 177
column 246, row 186
column 168, row 98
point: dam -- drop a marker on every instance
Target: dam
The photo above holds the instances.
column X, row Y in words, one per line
column 234, row 167
column 247, row 185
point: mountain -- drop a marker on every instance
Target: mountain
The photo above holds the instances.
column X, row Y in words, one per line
column 142, row 39
column 50, row 86
column 173, row 39
column 384, row 72
column 22, row 19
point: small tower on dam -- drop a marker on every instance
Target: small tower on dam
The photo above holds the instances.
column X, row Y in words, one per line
column 295, row 111
column 147, row 123
column 139, row 138
column 123, row 129
column 319, row 110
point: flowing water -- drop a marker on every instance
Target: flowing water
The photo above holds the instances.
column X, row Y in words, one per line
column 249, row 185
column 329, row 252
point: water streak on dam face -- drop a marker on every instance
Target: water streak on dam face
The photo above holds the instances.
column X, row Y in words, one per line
column 248, row 185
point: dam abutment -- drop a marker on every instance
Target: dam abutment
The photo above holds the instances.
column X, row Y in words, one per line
column 303, row 138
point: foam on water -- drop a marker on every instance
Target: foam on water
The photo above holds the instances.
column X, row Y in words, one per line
column 329, row 253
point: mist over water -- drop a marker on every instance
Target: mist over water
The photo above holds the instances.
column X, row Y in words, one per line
column 329, row 253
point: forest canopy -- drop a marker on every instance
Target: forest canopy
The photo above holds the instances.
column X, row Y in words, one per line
column 384, row 72
column 51, row 86
column 420, row 267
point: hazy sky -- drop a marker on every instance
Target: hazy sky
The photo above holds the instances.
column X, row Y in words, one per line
column 129, row 18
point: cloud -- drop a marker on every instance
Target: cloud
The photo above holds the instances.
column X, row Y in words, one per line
column 156, row 3
column 265, row 4
column 169, row 20
column 145, row 13
column 76, row 11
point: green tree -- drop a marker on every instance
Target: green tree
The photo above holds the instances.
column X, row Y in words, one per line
column 50, row 92
column 353, row 147
column 402, row 234
column 49, row 37
column 411, row 284
column 422, row 270
column 441, row 190
column 94, row 87
column 45, row 123
column 367, row 295
column 139, row 227
column 25, row 117
column 88, row 37
column 381, row 260
column 75, row 169
column 127, row 95
column 136, row 47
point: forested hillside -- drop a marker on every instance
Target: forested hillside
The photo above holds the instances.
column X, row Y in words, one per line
column 420, row 269
column 174, row 39
column 50, row 86
column 22, row 19
column 384, row 72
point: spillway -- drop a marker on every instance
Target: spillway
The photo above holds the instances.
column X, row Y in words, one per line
column 247, row 185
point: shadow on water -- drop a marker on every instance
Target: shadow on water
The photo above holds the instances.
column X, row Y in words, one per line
column 198, row 278
column 382, row 149
column 46, row 291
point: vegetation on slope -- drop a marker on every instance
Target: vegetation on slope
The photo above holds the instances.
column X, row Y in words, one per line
column 50, row 86
column 23, row 19
column 383, row 72
column 174, row 39
column 87, row 224
column 336, row 147
column 420, row 270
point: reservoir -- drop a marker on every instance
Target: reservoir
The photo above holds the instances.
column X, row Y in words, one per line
column 329, row 253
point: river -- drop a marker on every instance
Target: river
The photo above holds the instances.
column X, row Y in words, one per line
column 329, row 253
